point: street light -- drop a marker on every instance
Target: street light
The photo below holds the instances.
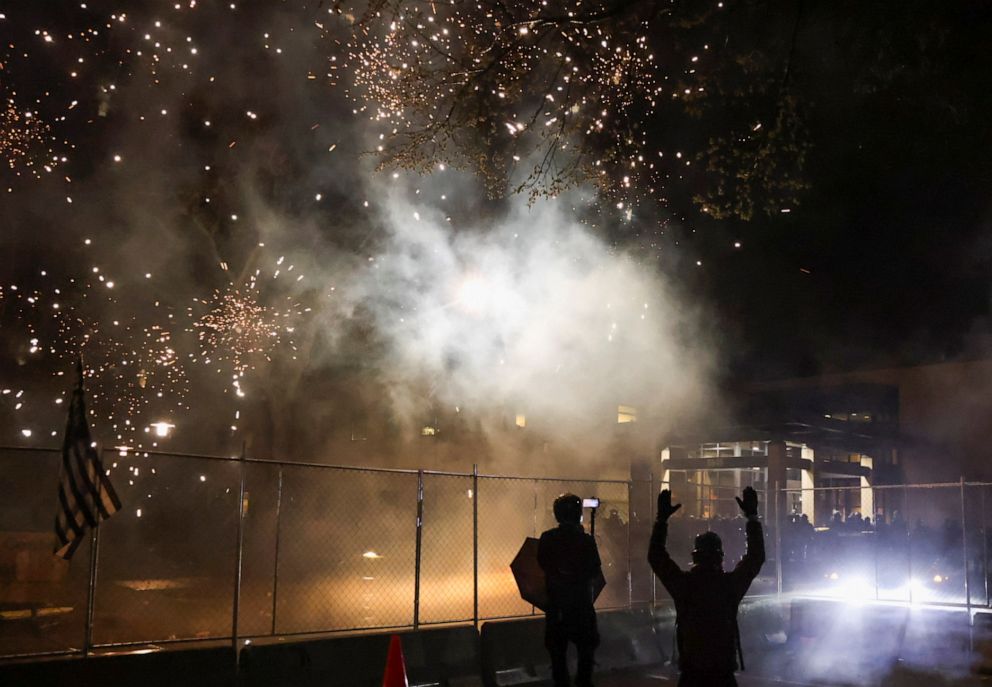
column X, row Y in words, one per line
column 162, row 429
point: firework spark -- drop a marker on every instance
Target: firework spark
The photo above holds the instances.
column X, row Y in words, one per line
column 241, row 331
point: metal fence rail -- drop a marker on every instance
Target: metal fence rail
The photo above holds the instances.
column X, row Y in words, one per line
column 210, row 548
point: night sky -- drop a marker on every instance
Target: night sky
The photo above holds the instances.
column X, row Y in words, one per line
column 887, row 260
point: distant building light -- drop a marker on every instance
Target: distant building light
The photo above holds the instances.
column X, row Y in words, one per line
column 428, row 431
column 626, row 414
column 521, row 420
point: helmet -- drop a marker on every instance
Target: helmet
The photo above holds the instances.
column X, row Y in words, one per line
column 568, row 508
column 707, row 549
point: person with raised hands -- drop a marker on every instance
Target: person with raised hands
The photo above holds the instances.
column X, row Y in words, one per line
column 707, row 597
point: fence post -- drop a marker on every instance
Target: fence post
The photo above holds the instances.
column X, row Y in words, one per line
column 475, row 545
column 652, row 504
column 419, row 551
column 630, row 581
column 778, row 540
column 533, row 527
column 91, row 585
column 239, row 552
column 908, row 541
column 985, row 551
column 874, row 538
column 964, row 551
column 534, row 532
column 275, row 562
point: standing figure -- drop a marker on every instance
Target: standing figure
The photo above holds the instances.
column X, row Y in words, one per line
column 571, row 564
column 706, row 598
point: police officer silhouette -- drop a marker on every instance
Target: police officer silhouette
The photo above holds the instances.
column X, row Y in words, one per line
column 706, row 598
column 570, row 561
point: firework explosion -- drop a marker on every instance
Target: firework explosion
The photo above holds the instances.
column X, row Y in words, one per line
column 240, row 331
column 136, row 374
column 22, row 136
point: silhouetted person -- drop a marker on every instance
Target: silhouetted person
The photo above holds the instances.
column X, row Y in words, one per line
column 571, row 564
column 855, row 522
column 836, row 522
column 614, row 536
column 706, row 598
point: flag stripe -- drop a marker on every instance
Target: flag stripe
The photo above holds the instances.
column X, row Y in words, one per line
column 84, row 457
column 78, row 506
column 68, row 516
column 108, row 497
column 105, row 494
column 86, row 495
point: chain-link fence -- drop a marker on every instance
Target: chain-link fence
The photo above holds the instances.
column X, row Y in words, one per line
column 206, row 544
column 209, row 548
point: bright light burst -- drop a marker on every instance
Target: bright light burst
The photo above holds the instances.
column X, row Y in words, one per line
column 239, row 330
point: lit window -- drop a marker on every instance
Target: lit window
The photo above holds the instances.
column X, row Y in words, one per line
column 521, row 420
column 428, row 431
column 626, row 414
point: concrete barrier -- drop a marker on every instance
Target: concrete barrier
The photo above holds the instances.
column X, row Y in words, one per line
column 513, row 651
column 210, row 667
column 446, row 656
column 337, row 661
column 630, row 638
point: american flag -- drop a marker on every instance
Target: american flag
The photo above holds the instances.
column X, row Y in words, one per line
column 85, row 494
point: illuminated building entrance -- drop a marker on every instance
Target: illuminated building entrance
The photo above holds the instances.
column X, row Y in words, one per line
column 706, row 478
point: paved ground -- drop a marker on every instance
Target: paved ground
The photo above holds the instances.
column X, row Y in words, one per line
column 661, row 677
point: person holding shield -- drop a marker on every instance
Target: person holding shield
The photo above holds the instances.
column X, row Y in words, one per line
column 706, row 598
column 570, row 561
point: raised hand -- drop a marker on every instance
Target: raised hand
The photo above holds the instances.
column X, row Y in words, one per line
column 665, row 507
column 750, row 503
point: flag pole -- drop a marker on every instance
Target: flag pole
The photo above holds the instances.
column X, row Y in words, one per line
column 91, row 594
column 94, row 547
column 238, row 555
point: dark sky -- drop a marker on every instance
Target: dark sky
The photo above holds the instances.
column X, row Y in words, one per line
column 888, row 258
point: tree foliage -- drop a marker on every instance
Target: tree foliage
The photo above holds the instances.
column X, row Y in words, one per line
column 649, row 100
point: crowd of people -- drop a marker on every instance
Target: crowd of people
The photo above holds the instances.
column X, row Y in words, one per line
column 802, row 542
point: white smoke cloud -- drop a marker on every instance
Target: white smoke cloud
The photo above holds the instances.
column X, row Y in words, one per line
column 531, row 313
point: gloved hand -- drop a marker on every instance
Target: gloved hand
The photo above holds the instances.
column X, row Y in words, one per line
column 665, row 507
column 750, row 503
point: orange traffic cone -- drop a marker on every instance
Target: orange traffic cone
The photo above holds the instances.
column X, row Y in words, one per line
column 395, row 675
